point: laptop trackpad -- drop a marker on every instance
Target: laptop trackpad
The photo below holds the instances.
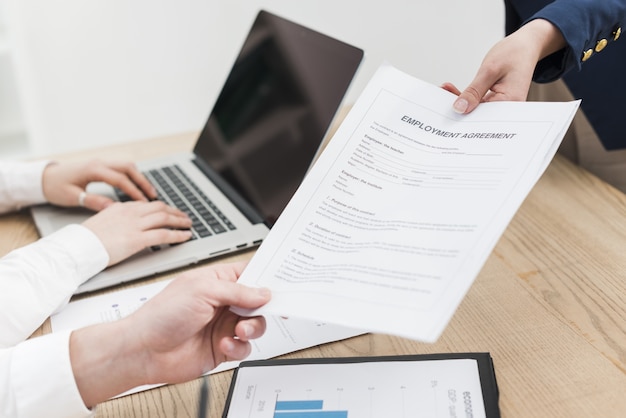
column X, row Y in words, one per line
column 50, row 218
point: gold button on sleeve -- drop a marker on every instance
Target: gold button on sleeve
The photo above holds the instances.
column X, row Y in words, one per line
column 601, row 44
column 617, row 34
column 587, row 54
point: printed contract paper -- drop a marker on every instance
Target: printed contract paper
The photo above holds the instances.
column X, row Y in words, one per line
column 395, row 220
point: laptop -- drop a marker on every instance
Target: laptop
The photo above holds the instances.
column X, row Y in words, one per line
column 264, row 131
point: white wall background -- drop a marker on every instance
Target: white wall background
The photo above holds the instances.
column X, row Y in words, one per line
column 96, row 72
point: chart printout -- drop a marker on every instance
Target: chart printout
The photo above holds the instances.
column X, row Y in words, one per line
column 395, row 220
column 399, row 389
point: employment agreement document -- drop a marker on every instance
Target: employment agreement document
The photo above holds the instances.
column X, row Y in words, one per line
column 395, row 220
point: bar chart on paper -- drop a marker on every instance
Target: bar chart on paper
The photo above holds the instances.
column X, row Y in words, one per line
column 441, row 388
column 305, row 409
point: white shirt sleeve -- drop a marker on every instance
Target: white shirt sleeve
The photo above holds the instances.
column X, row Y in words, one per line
column 36, row 380
column 39, row 278
column 36, row 377
column 21, row 184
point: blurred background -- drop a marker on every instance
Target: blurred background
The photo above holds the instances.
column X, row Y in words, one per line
column 78, row 74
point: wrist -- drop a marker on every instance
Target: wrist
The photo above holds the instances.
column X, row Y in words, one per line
column 105, row 361
column 46, row 180
column 547, row 38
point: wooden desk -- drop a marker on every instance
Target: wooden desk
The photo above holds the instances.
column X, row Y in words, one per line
column 549, row 304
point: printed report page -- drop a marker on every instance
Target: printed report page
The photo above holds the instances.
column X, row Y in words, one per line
column 395, row 220
column 402, row 389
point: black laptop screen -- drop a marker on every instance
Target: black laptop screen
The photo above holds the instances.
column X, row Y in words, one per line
column 274, row 110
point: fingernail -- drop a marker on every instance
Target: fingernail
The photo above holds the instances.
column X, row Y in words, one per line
column 460, row 105
column 247, row 330
column 264, row 291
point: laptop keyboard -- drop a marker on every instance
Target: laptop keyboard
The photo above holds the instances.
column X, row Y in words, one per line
column 175, row 188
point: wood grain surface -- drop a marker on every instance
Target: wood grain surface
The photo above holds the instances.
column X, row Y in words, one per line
column 549, row 304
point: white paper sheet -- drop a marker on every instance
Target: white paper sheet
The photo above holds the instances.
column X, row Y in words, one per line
column 395, row 220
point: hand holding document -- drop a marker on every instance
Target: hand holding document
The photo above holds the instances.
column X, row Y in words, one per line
column 394, row 222
column 282, row 336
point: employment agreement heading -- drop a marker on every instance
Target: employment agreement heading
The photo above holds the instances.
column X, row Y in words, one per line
column 395, row 220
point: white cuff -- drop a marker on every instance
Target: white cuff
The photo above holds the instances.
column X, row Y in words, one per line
column 43, row 381
column 21, row 184
column 85, row 249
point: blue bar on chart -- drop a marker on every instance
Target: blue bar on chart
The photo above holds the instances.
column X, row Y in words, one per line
column 305, row 409
column 298, row 405
column 311, row 414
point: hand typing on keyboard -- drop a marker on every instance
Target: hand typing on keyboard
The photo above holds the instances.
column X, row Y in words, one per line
column 178, row 190
column 127, row 228
column 64, row 184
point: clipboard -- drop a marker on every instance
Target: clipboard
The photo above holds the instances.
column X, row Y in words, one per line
column 450, row 384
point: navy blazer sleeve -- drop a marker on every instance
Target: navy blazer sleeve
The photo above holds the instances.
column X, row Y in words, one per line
column 588, row 26
column 592, row 65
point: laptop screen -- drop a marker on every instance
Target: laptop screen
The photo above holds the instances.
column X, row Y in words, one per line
column 276, row 106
